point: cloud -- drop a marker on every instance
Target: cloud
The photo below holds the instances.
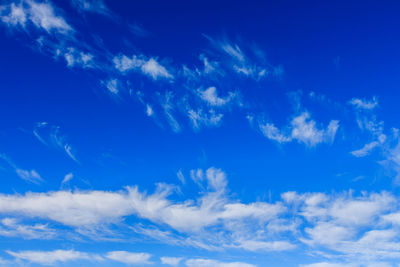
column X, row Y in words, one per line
column 50, row 257
column 181, row 177
column 40, row 15
column 211, row 210
column 168, row 106
column 93, row 6
column 112, row 86
column 200, row 118
column 73, row 57
column 364, row 104
column 50, row 135
column 172, row 261
column 148, row 66
column 68, row 177
column 210, row 96
column 138, row 30
column 302, row 129
column 252, row 245
column 31, row 176
column 215, row 263
column 365, row 150
column 351, row 226
column 129, row 257
column 252, row 65
column 11, row 227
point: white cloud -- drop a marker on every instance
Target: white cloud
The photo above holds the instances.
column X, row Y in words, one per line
column 211, row 210
column 16, row 16
column 68, row 177
column 112, row 86
column 210, row 96
column 50, row 135
column 41, row 15
column 149, row 67
column 252, row 65
column 73, row 57
column 50, row 257
column 327, row 264
column 303, row 129
column 169, row 108
column 172, row 261
column 215, row 263
column 149, row 110
column 129, row 257
column 252, row 245
column 208, row 118
column 153, row 69
column 272, row 132
column 365, row 150
column 364, row 104
column 30, row 176
column 11, row 227
column 27, row 175
column 181, row 177
column 94, row 6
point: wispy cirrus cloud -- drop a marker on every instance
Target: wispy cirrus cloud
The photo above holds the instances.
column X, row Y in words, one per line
column 31, row 176
column 11, row 227
column 92, row 6
column 148, row 66
column 50, row 135
column 42, row 16
column 51, row 257
column 364, row 104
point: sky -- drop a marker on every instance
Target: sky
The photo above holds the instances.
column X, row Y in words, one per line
column 199, row 133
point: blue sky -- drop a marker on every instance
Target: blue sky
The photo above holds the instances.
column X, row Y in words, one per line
column 199, row 134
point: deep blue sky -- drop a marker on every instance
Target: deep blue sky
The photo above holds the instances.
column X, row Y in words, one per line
column 199, row 133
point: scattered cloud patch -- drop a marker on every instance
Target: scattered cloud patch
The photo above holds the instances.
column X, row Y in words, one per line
column 302, row 129
column 129, row 257
column 172, row 261
column 364, row 104
column 215, row 263
column 49, row 257
column 148, row 66
column 41, row 15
